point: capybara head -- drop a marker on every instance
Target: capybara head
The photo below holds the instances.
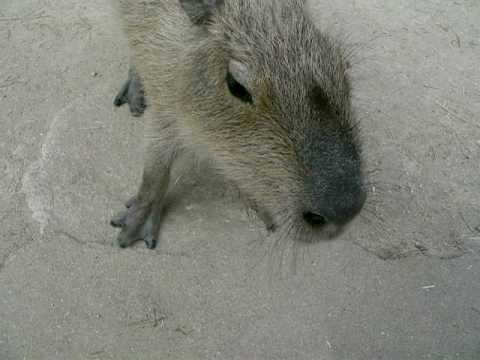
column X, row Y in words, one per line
column 272, row 103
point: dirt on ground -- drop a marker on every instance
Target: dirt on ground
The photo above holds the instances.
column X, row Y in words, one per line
column 403, row 283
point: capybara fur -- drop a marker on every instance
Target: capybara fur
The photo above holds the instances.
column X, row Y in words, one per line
column 255, row 87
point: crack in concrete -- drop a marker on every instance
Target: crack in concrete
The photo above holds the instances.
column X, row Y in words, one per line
column 74, row 238
column 88, row 243
column 13, row 252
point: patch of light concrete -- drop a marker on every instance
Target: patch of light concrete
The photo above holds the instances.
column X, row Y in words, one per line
column 35, row 182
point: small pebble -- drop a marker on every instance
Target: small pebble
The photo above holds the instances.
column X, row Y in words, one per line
column 428, row 287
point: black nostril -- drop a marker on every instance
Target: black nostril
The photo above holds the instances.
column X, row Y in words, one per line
column 314, row 219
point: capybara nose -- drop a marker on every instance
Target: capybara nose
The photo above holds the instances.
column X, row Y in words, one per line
column 337, row 210
column 314, row 219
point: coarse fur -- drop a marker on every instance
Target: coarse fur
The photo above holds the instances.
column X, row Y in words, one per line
column 287, row 139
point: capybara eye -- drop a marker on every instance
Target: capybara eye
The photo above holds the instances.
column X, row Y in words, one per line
column 320, row 99
column 238, row 90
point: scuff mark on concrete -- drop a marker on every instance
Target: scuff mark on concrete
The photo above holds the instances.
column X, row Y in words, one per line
column 35, row 182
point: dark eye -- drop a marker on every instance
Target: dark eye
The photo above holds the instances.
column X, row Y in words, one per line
column 321, row 101
column 238, row 90
column 320, row 98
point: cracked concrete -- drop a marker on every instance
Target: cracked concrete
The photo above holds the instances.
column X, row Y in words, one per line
column 68, row 161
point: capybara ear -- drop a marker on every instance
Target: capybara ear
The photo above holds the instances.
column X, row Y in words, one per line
column 200, row 11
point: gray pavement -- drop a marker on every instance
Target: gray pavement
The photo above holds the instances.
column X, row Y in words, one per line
column 402, row 283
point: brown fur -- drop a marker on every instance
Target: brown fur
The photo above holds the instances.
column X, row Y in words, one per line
column 294, row 150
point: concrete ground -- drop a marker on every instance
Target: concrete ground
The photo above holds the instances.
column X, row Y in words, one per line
column 401, row 284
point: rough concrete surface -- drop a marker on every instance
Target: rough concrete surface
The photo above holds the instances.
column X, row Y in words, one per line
column 402, row 284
